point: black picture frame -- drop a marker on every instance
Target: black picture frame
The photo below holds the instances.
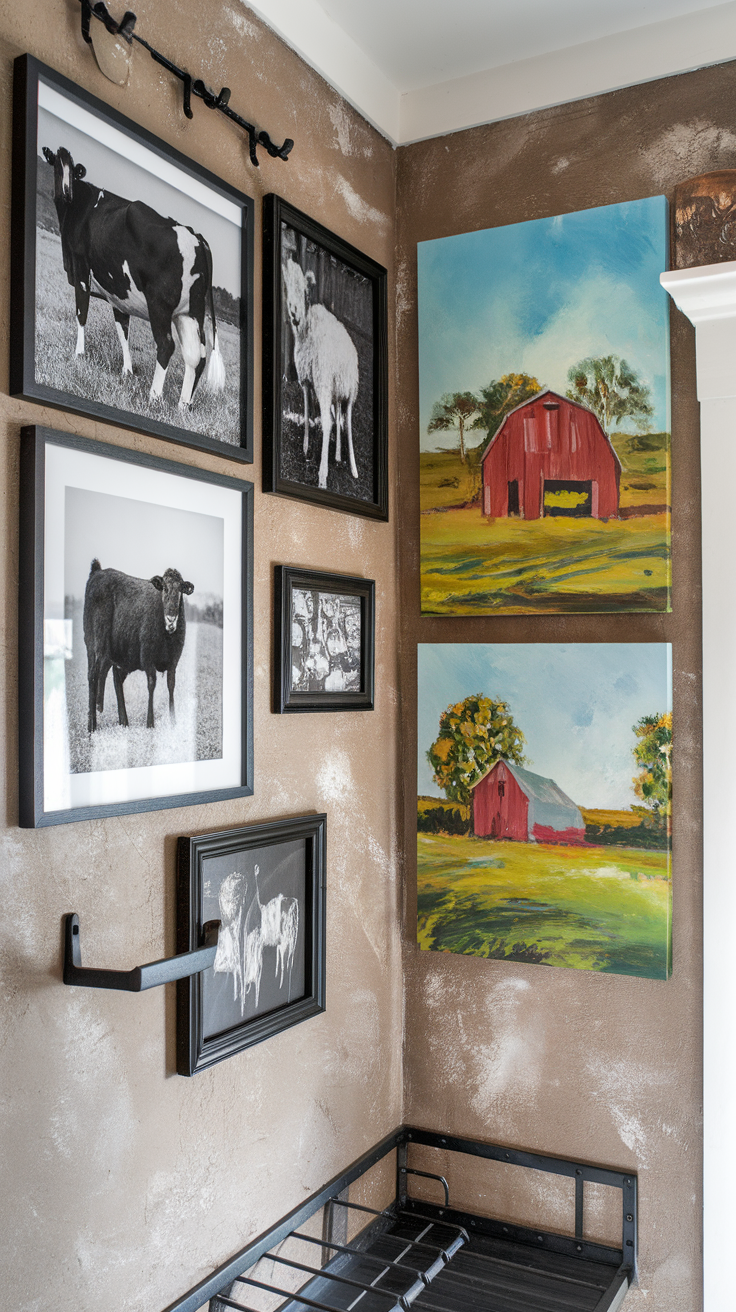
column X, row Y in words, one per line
column 295, row 850
column 336, row 663
column 286, row 469
column 64, row 775
column 43, row 363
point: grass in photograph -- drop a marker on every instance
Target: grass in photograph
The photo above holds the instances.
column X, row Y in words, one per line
column 591, row 908
column 96, row 376
column 473, row 565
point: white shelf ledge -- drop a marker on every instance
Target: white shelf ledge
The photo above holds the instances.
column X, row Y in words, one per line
column 707, row 295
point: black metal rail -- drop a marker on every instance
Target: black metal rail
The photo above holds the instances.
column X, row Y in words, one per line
column 191, row 86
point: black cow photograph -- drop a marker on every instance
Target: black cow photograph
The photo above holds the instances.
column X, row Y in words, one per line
column 143, row 595
column 136, row 636
column 140, row 287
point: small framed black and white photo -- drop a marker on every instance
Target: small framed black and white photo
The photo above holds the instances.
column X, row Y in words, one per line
column 135, row 632
column 131, row 272
column 266, row 886
column 324, row 641
column 325, row 359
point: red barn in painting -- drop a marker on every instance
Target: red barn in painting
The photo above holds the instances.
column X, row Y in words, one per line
column 509, row 802
column 545, row 447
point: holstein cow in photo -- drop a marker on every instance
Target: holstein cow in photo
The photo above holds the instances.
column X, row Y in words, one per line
column 132, row 624
column 325, row 356
column 147, row 266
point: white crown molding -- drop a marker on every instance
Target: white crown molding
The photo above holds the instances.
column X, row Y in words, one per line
column 322, row 43
column 607, row 64
column 642, row 54
column 707, row 295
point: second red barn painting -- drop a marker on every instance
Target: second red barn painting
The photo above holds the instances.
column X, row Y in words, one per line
column 544, row 804
column 544, row 415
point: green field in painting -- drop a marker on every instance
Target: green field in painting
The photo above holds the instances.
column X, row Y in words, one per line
column 592, row 908
column 473, row 565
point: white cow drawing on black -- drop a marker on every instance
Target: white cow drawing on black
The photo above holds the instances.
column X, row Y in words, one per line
column 245, row 935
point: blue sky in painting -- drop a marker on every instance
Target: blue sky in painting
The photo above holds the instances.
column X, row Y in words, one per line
column 537, row 297
column 575, row 705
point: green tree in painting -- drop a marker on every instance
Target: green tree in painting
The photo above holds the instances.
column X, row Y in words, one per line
column 500, row 397
column 612, row 390
column 474, row 734
column 454, row 410
column 653, row 755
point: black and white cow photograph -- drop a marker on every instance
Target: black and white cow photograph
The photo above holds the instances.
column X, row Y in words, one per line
column 139, row 283
column 143, row 598
column 136, row 587
column 328, row 370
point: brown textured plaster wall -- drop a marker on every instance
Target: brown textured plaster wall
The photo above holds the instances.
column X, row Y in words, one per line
column 607, row 1068
column 123, row 1183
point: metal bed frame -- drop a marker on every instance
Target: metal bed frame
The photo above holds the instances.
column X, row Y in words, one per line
column 415, row 1254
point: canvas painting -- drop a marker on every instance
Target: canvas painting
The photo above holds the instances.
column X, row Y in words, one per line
column 544, row 804
column 136, row 275
column 544, row 415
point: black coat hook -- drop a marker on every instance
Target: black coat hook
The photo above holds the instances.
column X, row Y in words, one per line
column 192, row 86
column 140, row 977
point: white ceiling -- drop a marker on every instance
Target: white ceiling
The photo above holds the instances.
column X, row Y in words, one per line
column 417, row 43
column 419, row 68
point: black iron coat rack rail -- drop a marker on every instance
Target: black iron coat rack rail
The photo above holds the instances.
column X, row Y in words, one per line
column 192, row 86
column 140, row 977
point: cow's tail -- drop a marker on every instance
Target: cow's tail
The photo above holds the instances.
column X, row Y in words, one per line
column 214, row 378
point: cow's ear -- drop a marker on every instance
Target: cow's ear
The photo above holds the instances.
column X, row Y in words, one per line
column 80, row 172
column 49, row 155
column 157, row 582
column 187, row 587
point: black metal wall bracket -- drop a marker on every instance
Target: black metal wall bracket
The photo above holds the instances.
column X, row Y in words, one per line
column 192, row 86
column 140, row 977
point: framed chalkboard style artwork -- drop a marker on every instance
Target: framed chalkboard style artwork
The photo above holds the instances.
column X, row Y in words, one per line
column 266, row 886
column 132, row 273
column 324, row 642
column 135, row 629
column 325, row 358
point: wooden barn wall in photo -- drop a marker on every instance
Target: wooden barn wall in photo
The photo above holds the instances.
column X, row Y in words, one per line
column 571, row 1062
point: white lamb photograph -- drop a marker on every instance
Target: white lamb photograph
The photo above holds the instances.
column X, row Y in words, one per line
column 328, row 362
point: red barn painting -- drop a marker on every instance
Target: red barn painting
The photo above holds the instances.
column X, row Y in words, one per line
column 546, row 447
column 509, row 802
